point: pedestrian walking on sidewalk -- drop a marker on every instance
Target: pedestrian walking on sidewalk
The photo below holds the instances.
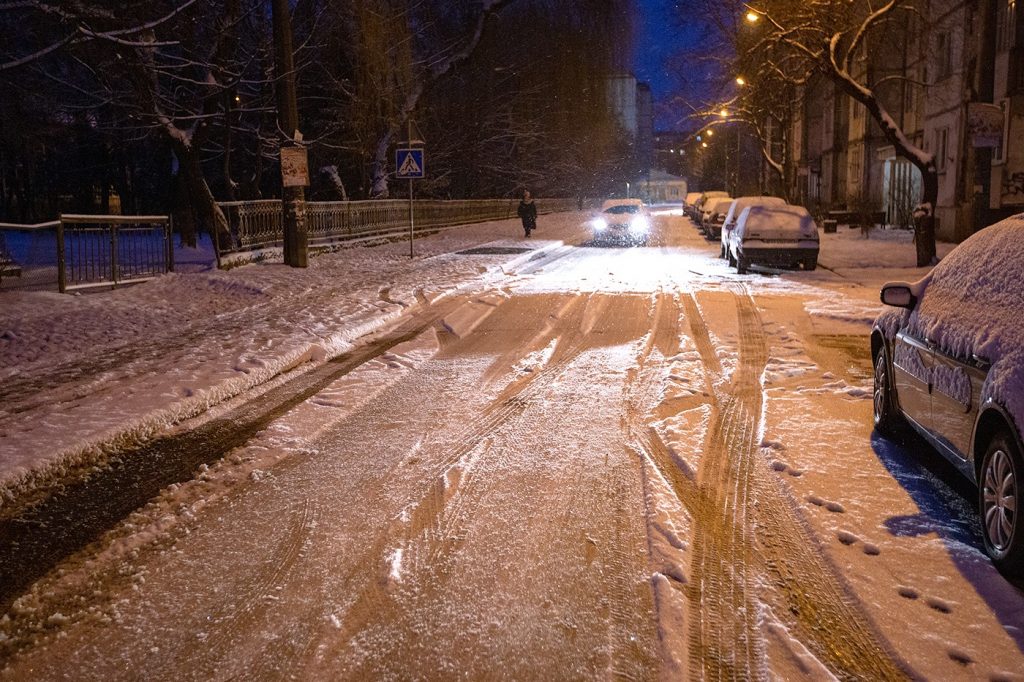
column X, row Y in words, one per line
column 527, row 212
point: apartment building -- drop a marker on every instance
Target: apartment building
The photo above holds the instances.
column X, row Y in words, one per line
column 944, row 73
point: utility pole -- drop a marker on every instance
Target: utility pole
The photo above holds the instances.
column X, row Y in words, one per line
column 294, row 173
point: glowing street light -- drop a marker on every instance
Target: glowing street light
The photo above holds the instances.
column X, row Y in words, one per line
column 710, row 132
column 704, row 144
column 740, row 80
column 724, row 113
column 753, row 16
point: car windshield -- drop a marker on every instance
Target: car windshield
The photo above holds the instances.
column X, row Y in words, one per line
column 623, row 208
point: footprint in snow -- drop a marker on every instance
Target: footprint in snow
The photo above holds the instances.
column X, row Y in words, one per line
column 939, row 605
column 846, row 537
column 833, row 507
column 960, row 657
column 782, row 467
column 907, row 592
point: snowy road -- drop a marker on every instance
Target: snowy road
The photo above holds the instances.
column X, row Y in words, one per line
column 601, row 462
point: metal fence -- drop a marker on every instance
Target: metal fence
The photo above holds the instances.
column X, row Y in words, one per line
column 257, row 224
column 82, row 251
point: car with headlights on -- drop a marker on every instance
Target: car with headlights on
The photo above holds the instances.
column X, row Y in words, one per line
column 622, row 220
column 949, row 361
column 774, row 236
column 735, row 209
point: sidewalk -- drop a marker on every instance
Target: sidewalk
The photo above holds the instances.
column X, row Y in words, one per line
column 84, row 376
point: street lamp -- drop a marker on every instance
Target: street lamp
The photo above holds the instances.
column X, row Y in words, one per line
column 724, row 113
column 740, row 81
column 752, row 16
column 710, row 132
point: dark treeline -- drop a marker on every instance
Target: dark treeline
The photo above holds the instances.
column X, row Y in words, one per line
column 168, row 105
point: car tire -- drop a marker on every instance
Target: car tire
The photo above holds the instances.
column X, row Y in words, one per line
column 887, row 418
column 811, row 263
column 999, row 500
column 741, row 265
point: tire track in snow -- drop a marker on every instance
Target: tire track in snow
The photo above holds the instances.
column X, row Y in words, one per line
column 735, row 541
column 423, row 524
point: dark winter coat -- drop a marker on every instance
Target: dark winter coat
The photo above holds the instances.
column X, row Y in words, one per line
column 528, row 213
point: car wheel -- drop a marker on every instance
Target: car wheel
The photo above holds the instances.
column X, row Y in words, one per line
column 741, row 265
column 811, row 263
column 999, row 493
column 887, row 419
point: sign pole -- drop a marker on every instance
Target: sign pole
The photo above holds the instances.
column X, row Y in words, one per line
column 411, row 235
column 409, row 166
column 410, row 219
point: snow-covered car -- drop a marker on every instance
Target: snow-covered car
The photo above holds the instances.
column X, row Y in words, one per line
column 729, row 224
column 776, row 236
column 698, row 205
column 949, row 360
column 714, row 215
column 689, row 202
column 625, row 220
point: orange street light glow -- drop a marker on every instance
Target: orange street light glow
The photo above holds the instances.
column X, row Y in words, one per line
column 740, row 80
column 752, row 16
column 704, row 144
column 724, row 113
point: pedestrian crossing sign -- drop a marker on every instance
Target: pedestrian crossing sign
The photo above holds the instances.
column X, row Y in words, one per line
column 409, row 163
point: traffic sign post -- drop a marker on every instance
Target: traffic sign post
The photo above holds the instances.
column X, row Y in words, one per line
column 410, row 165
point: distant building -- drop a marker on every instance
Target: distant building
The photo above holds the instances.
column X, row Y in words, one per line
column 659, row 187
column 633, row 106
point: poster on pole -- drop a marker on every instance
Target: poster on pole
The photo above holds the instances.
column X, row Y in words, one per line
column 409, row 164
column 294, row 166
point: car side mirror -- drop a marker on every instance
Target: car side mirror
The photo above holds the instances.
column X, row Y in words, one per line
column 898, row 295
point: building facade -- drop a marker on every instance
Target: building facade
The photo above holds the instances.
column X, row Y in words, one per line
column 937, row 71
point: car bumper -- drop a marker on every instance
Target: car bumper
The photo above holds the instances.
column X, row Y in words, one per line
column 785, row 257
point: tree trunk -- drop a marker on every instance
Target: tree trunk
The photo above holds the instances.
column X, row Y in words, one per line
column 379, row 186
column 924, row 218
column 206, row 209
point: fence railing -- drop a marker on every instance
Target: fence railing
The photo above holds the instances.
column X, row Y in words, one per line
column 257, row 224
column 82, row 251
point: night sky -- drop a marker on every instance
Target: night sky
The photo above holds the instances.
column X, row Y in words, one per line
column 661, row 32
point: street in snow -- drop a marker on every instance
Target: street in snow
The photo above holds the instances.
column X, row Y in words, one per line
column 552, row 458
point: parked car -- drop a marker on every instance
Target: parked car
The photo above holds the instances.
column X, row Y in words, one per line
column 624, row 220
column 689, row 203
column 949, row 361
column 698, row 206
column 714, row 216
column 776, row 236
column 729, row 224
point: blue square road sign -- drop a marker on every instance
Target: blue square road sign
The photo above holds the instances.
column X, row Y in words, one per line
column 409, row 164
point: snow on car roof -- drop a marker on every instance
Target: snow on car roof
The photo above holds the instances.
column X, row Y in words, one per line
column 775, row 219
column 718, row 205
column 973, row 304
column 743, row 202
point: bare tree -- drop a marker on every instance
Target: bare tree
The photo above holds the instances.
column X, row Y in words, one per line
column 830, row 37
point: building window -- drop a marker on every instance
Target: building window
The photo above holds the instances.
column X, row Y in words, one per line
column 941, row 148
column 999, row 153
column 1006, row 24
column 944, row 67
